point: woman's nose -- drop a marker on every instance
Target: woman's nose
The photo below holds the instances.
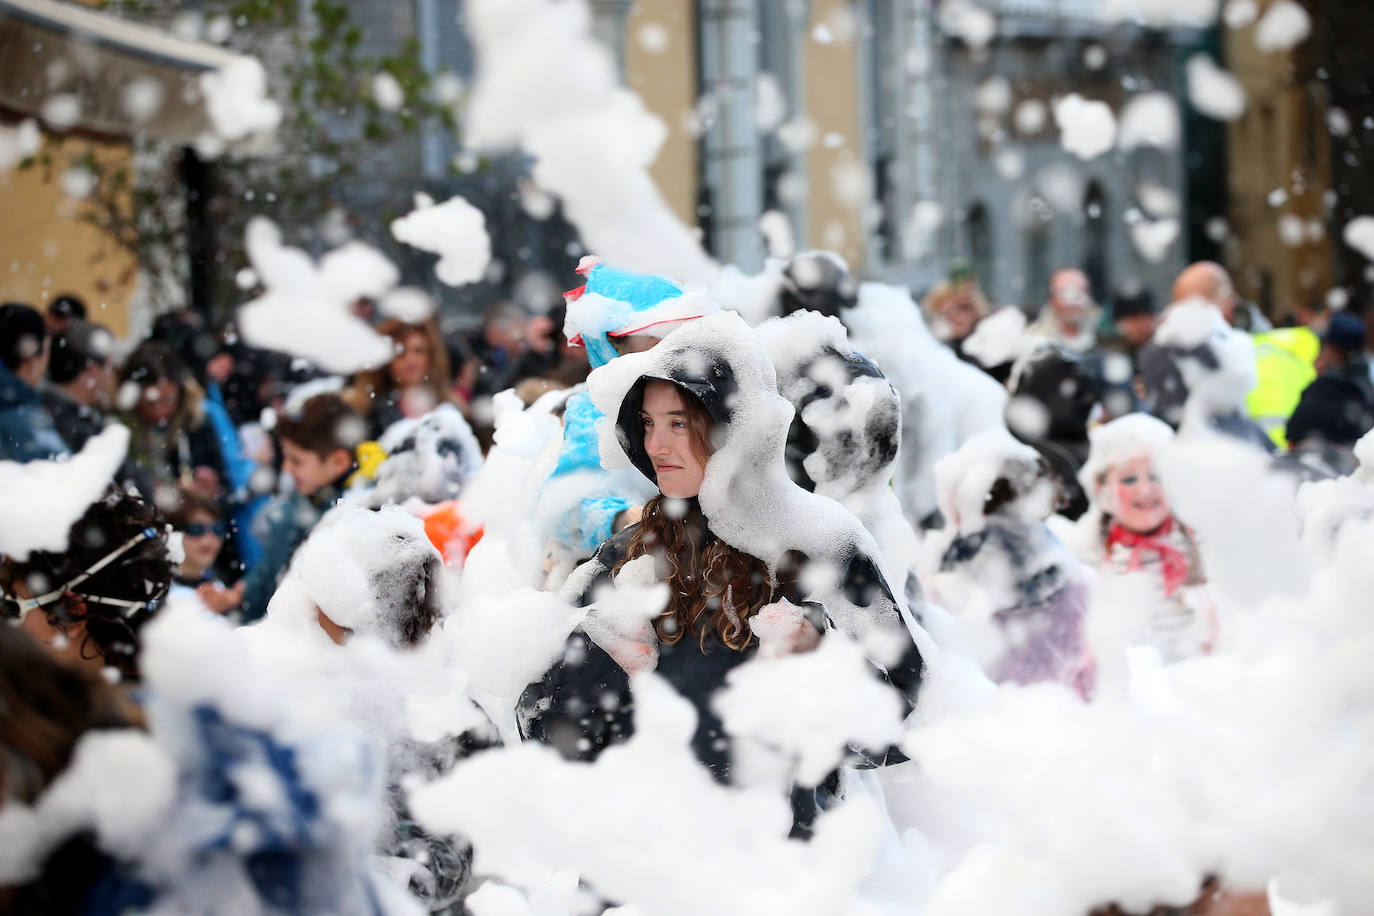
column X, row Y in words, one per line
column 656, row 444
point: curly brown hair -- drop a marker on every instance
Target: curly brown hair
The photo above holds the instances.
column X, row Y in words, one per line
column 714, row 588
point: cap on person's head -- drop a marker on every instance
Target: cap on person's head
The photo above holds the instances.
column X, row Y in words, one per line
column 960, row 272
column 79, row 345
column 22, row 333
column 1129, row 303
column 69, row 307
column 1345, row 332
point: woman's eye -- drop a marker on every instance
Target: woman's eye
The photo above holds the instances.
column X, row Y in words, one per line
column 678, row 424
column 1129, row 480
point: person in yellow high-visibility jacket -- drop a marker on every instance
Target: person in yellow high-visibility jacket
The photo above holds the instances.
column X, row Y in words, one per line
column 1284, row 365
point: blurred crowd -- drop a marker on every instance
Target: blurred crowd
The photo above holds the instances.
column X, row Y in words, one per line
column 206, row 412
column 992, row 465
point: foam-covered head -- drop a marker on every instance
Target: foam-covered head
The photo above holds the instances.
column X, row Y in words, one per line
column 849, row 421
column 618, row 303
column 1216, row 361
column 372, row 572
column 1119, row 475
column 1135, row 435
column 992, row 473
column 1056, row 378
column 431, row 457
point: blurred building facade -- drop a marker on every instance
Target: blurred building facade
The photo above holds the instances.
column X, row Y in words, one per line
column 1297, row 163
column 876, row 133
column 69, row 64
column 874, row 128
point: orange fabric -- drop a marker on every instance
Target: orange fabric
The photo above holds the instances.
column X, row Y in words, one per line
column 450, row 533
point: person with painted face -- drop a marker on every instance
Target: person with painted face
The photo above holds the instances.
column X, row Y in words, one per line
column 700, row 416
column 1131, row 529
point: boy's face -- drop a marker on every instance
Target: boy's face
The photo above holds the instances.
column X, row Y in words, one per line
column 311, row 472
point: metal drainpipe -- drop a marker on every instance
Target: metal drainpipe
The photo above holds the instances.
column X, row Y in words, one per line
column 733, row 167
column 427, row 31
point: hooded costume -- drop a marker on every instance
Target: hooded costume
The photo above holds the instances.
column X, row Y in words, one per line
column 747, row 501
column 944, row 400
column 843, row 441
column 581, row 499
column 998, row 563
column 376, row 574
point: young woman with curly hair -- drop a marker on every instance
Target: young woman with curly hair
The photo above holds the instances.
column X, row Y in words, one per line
column 706, row 425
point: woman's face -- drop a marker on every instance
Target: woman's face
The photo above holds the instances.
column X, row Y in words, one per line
column 668, row 440
column 1132, row 495
column 410, row 365
column 157, row 402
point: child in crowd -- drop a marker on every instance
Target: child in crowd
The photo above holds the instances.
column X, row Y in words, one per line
column 200, row 522
column 374, row 574
column 318, row 445
column 1130, row 528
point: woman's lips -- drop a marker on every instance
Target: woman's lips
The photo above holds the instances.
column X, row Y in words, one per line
column 667, row 467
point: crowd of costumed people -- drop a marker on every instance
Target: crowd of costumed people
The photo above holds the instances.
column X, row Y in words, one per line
column 791, row 596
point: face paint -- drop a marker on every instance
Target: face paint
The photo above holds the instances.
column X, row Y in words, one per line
column 1132, row 495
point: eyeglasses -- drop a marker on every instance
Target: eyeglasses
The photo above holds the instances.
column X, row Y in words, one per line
column 200, row 529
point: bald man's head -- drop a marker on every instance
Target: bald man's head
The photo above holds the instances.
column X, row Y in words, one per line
column 1207, row 280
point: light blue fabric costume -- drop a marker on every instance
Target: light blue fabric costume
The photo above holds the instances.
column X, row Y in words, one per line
column 612, row 303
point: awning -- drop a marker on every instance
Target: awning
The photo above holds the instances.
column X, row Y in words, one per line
column 50, row 49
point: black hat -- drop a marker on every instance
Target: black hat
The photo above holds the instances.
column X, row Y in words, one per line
column 1126, row 303
column 1345, row 332
column 819, row 281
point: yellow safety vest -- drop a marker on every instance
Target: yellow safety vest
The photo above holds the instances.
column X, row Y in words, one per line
column 1284, row 366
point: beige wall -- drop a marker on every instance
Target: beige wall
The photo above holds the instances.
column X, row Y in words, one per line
column 1282, row 131
column 666, row 81
column 832, row 103
column 47, row 250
